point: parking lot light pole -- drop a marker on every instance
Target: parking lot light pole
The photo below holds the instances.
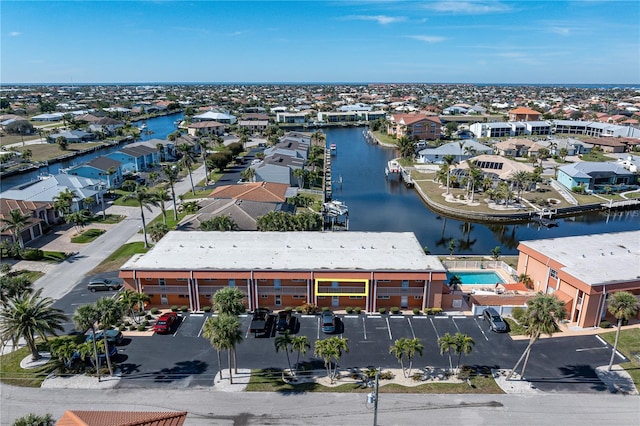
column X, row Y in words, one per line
column 375, row 399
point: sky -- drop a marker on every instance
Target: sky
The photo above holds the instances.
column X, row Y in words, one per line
column 503, row 42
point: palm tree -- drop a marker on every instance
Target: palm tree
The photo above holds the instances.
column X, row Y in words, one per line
column 406, row 147
column 64, row 201
column 299, row 174
column 300, row 344
column 84, row 318
column 128, row 302
column 249, row 174
column 210, row 332
column 543, row 312
column 452, row 246
column 219, row 223
column 62, row 142
column 283, row 342
column 526, row 280
column 447, row 343
column 623, row 306
column 63, row 349
column 145, row 199
column 157, row 230
column 519, row 178
column 203, row 144
column 463, row 345
column 79, row 219
column 28, row 315
column 228, row 300
column 171, row 176
column 475, row 177
column 224, row 332
column 15, row 223
column 449, row 160
column 163, row 195
column 187, row 161
column 398, row 350
column 412, row 347
column 331, row 349
column 109, row 313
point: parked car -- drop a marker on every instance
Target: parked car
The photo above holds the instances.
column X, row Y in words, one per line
column 496, row 323
column 113, row 337
column 76, row 356
column 165, row 322
column 284, row 321
column 103, row 284
column 328, row 320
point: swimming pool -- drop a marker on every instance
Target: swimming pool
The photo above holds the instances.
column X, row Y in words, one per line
column 476, row 277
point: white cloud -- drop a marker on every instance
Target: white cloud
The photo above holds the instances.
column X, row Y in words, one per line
column 428, row 39
column 560, row 30
column 468, row 8
column 380, row 19
column 15, row 33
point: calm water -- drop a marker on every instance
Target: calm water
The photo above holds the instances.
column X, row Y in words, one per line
column 376, row 204
column 473, row 278
column 160, row 126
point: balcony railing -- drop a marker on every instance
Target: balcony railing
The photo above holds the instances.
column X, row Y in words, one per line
column 166, row 289
column 329, row 289
column 399, row 291
column 283, row 291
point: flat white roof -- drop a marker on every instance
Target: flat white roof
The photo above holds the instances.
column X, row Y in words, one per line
column 368, row 251
column 595, row 259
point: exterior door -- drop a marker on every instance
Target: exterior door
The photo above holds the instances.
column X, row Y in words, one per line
column 163, row 299
column 404, row 301
column 335, row 301
column 277, row 300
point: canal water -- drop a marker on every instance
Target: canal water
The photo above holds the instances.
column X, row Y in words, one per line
column 378, row 204
column 157, row 128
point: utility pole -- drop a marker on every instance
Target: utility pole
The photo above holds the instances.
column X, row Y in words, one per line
column 373, row 398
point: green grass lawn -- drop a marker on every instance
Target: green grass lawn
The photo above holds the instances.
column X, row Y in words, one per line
column 12, row 374
column 515, row 329
column 270, row 380
column 54, row 256
column 119, row 257
column 111, row 219
column 88, row 236
column 171, row 222
column 629, row 345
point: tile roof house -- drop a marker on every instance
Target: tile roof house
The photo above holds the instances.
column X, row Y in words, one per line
column 516, row 147
column 502, row 167
column 524, row 114
column 206, row 128
column 41, row 213
column 122, row 418
column 415, row 126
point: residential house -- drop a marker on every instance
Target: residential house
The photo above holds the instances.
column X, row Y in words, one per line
column 290, row 146
column 72, row 136
column 415, row 126
column 495, row 165
column 468, row 149
column 135, row 159
column 220, row 117
column 368, row 270
column 583, row 271
column 166, row 148
column 279, row 168
column 612, row 145
column 265, row 192
column 122, row 418
column 524, row 114
column 596, row 176
column 42, row 215
column 106, row 125
column 514, row 147
column 491, row 130
column 54, row 116
column 206, row 128
column 104, row 169
column 254, row 125
column 291, row 117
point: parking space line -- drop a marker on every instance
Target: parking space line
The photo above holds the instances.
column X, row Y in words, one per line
column 411, row 327
column 364, row 326
column 202, row 328
column 601, row 340
column 184, row 319
column 434, row 328
column 454, row 323
column 481, row 330
column 318, row 329
column 591, row 349
column 351, row 316
column 389, row 328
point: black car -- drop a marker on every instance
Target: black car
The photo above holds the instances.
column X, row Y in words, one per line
column 496, row 323
column 284, row 321
column 103, row 284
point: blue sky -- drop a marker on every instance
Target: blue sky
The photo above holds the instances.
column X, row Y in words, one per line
column 561, row 42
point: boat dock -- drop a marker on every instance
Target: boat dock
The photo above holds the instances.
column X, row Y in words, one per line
column 395, row 170
column 326, row 181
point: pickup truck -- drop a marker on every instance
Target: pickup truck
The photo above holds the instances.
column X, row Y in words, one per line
column 260, row 321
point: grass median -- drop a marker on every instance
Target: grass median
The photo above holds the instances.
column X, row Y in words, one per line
column 629, row 345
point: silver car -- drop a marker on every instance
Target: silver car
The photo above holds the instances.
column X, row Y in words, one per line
column 496, row 323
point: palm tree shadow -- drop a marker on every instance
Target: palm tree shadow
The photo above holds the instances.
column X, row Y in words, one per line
column 573, row 375
column 180, row 371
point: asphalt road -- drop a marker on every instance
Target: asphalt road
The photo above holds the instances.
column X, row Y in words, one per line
column 207, row 407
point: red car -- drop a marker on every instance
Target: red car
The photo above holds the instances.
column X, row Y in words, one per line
column 164, row 322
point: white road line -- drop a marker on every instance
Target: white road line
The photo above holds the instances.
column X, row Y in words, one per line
column 454, row 323
column 591, row 349
column 308, row 316
column 434, row 328
column 374, row 316
column 396, row 316
column 197, row 315
column 601, row 340
column 318, row 329
column 351, row 316
column 364, row 326
column 419, row 317
column 389, row 328
column 201, row 328
column 184, row 319
column 439, row 317
column 620, row 355
column 481, row 330
column 459, row 317
column 411, row 327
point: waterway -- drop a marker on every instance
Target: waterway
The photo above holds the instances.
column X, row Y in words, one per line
column 157, row 128
column 378, row 204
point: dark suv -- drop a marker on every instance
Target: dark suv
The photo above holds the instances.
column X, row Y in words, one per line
column 496, row 323
column 103, row 284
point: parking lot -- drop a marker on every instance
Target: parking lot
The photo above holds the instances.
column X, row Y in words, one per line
column 183, row 358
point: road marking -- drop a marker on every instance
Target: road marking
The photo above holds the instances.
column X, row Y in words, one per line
column 184, row 319
column 364, row 326
column 454, row 323
column 419, row 317
column 318, row 329
column 351, row 316
column 459, row 317
column 308, row 316
column 397, row 316
column 411, row 327
column 389, row 328
column 601, row 340
column 439, row 317
column 197, row 315
column 434, row 328
column 481, row 330
column 591, row 349
column 374, row 316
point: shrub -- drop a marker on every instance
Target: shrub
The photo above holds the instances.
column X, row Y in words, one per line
column 154, row 311
column 174, row 308
column 428, row 311
column 436, row 311
column 387, row 375
column 299, row 309
column 132, row 328
column 148, row 316
column 207, row 309
column 141, row 327
column 605, row 324
column 395, row 310
column 122, row 327
column 145, row 323
column 382, row 310
column 33, row 254
column 127, row 323
column 184, row 308
column 309, row 309
column 358, row 310
column 517, row 313
column 416, row 311
column 349, row 309
column 325, row 309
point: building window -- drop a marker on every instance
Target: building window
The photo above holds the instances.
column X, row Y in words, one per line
column 148, row 279
column 264, row 296
column 277, row 283
column 384, row 281
column 182, row 279
column 417, row 297
column 262, row 280
column 232, row 282
column 384, row 297
column 553, row 273
column 405, row 283
column 299, row 297
column 161, row 282
column 277, row 299
column 183, row 296
column 356, row 297
column 297, row 280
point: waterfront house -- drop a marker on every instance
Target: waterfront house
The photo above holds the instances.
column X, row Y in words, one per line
column 290, row 146
column 495, row 165
column 583, row 271
column 106, row 125
column 279, row 168
column 515, row 147
column 415, row 126
column 220, row 117
column 291, row 117
column 105, row 169
column 524, row 114
column 469, row 148
column 596, row 176
column 72, row 136
column 135, row 159
column 206, row 128
column 42, row 216
column 612, row 145
column 266, row 192
column 491, row 130
column 368, row 270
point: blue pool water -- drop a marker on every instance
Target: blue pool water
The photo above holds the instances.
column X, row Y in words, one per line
column 475, row 278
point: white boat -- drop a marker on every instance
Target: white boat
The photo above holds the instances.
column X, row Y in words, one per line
column 143, row 127
column 333, row 149
column 336, row 207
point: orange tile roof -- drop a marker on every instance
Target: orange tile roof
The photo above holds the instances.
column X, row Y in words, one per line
column 122, row 418
column 269, row 192
column 524, row 110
